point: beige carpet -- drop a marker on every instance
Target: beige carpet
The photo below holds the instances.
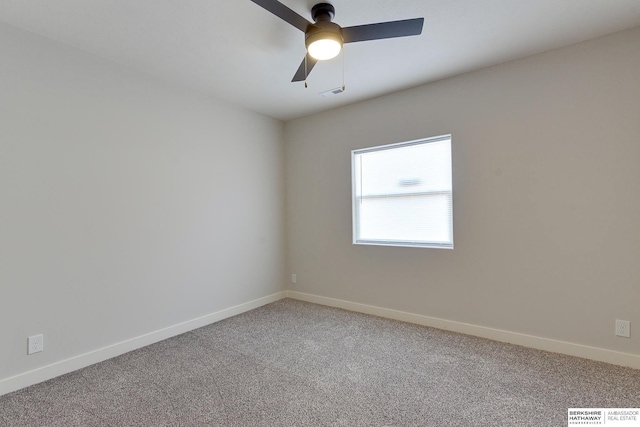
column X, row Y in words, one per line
column 298, row 364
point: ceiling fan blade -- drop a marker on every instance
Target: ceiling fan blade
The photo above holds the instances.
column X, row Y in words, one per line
column 383, row 30
column 300, row 74
column 284, row 13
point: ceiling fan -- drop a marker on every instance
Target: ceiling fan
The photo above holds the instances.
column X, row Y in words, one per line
column 324, row 39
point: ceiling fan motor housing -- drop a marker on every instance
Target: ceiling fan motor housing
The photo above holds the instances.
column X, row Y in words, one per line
column 322, row 30
column 323, row 12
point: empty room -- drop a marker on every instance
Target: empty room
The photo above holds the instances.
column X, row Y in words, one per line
column 295, row 213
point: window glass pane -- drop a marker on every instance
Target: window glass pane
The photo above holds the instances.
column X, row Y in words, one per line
column 409, row 219
column 415, row 168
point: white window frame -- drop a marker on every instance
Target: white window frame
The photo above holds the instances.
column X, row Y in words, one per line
column 356, row 199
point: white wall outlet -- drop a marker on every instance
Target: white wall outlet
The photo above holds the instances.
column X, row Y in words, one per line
column 35, row 344
column 623, row 328
column 294, row 278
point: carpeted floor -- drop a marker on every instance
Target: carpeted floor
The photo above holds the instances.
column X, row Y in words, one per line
column 292, row 363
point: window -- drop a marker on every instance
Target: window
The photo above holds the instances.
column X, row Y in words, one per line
column 402, row 194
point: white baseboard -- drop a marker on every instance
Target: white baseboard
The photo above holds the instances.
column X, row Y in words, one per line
column 83, row 360
column 53, row 370
column 555, row 346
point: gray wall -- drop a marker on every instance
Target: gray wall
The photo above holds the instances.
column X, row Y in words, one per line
column 546, row 155
column 126, row 205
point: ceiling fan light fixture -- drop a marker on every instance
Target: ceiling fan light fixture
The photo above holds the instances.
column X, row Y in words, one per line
column 324, row 38
column 324, row 45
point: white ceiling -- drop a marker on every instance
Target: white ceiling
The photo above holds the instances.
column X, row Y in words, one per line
column 237, row 51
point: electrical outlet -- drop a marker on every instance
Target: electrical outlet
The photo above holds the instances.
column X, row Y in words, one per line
column 294, row 278
column 623, row 328
column 35, row 344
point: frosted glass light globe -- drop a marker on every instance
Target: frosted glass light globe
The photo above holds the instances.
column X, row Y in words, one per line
column 324, row 49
